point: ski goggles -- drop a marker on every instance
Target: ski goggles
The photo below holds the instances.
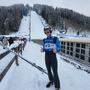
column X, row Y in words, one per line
column 46, row 32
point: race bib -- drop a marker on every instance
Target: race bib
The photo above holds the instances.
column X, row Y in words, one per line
column 49, row 46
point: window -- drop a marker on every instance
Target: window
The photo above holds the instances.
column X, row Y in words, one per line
column 71, row 53
column 77, row 55
column 77, row 44
column 71, row 44
column 89, row 51
column 67, row 52
column 71, row 48
column 63, row 51
column 61, row 42
column 89, row 59
column 82, row 51
column 83, row 45
column 67, row 43
column 61, row 47
column 67, row 48
column 77, row 50
column 64, row 43
column 82, row 57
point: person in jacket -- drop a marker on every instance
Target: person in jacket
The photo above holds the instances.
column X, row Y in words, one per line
column 51, row 46
column 5, row 42
column 10, row 41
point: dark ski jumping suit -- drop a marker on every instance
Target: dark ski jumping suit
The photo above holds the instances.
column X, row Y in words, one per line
column 51, row 60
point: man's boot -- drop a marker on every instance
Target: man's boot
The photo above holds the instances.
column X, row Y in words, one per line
column 49, row 84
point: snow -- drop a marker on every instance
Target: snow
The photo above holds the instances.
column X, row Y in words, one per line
column 2, row 50
column 81, row 6
column 5, row 80
column 27, row 77
column 36, row 27
column 24, row 28
column 70, row 76
column 76, row 39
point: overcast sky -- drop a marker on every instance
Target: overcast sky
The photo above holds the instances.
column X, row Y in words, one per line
column 81, row 6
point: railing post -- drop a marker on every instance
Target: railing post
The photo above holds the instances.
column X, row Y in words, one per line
column 16, row 60
column 74, row 50
column 87, row 53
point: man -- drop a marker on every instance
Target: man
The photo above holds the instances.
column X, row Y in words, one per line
column 5, row 42
column 10, row 41
column 51, row 46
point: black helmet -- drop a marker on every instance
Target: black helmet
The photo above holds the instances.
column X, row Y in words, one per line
column 48, row 28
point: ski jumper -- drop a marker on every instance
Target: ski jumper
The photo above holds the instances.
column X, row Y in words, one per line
column 50, row 58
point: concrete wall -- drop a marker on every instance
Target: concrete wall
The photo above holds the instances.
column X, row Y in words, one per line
column 78, row 51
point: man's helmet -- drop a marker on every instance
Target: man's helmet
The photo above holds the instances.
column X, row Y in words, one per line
column 48, row 28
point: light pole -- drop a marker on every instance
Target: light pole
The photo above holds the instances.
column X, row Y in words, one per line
column 29, row 25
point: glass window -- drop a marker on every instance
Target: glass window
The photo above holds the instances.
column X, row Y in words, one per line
column 82, row 57
column 61, row 42
column 71, row 53
column 64, row 43
column 77, row 44
column 82, row 51
column 67, row 48
column 67, row 43
column 71, row 44
column 77, row 50
column 71, row 48
column 67, row 52
column 89, row 59
column 77, row 55
column 83, row 45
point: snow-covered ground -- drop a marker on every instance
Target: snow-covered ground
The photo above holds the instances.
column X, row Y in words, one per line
column 81, row 6
column 5, row 61
column 26, row 77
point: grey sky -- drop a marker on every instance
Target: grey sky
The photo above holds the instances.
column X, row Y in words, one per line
column 81, row 6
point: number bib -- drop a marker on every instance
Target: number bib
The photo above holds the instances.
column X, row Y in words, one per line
column 49, row 46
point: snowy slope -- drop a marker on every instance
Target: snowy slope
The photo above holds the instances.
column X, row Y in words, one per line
column 81, row 6
column 24, row 28
column 36, row 27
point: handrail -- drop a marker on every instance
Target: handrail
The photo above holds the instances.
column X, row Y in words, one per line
column 4, row 54
column 6, row 69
